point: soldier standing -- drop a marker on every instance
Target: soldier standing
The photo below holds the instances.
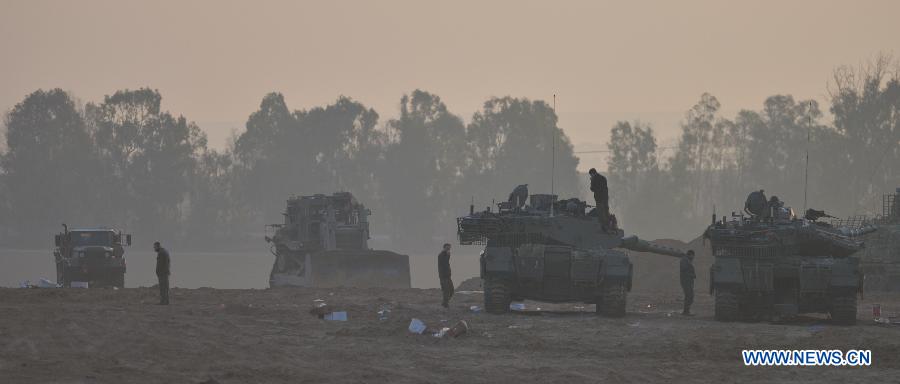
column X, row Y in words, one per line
column 444, row 274
column 601, row 196
column 162, row 272
column 687, row 281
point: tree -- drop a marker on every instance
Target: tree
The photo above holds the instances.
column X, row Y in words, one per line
column 347, row 147
column 775, row 145
column 149, row 158
column 700, row 154
column 632, row 154
column 423, row 164
column 513, row 141
column 273, row 159
column 866, row 106
column 50, row 173
column 634, row 175
column 214, row 215
column 322, row 150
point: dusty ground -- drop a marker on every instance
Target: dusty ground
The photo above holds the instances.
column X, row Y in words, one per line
column 254, row 335
column 237, row 336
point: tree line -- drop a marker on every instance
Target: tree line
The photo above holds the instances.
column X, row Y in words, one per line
column 124, row 162
column 853, row 160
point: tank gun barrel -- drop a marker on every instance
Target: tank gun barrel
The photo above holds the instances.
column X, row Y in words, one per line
column 635, row 244
column 853, row 232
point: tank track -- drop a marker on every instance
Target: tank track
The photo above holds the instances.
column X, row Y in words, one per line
column 613, row 301
column 496, row 296
column 727, row 308
column 843, row 310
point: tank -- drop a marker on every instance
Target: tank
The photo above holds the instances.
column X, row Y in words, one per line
column 92, row 255
column 880, row 260
column 552, row 251
column 771, row 264
column 323, row 242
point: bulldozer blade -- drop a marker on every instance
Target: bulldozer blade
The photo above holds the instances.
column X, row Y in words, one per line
column 349, row 268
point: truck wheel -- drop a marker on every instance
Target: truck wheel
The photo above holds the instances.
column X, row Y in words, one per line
column 496, row 296
column 613, row 302
column 118, row 280
column 751, row 309
column 61, row 278
column 727, row 308
column 843, row 310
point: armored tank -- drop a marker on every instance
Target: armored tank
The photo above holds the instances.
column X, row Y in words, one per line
column 323, row 242
column 880, row 260
column 552, row 251
column 769, row 264
column 92, row 255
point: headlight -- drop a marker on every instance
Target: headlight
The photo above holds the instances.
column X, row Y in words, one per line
column 80, row 253
column 108, row 254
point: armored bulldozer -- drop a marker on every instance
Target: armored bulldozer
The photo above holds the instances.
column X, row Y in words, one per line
column 771, row 264
column 92, row 255
column 324, row 243
column 552, row 251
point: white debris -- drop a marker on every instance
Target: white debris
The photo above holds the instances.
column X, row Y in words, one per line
column 442, row 332
column 417, row 326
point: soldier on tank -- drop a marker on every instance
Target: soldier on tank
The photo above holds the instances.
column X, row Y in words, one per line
column 444, row 274
column 162, row 272
column 519, row 196
column 757, row 205
column 687, row 281
column 601, row 196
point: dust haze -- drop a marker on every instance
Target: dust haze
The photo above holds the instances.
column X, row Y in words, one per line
column 106, row 103
column 194, row 123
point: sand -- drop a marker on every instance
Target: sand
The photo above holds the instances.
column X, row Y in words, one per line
column 268, row 336
column 238, row 336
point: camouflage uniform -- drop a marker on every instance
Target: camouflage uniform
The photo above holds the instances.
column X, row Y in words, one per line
column 444, row 274
column 601, row 198
column 687, row 283
column 162, row 273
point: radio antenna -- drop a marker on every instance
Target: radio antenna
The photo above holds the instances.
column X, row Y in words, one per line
column 553, row 167
column 553, row 161
column 806, row 168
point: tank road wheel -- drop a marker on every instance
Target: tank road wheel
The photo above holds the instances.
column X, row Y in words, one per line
column 613, row 302
column 496, row 296
column 843, row 310
column 727, row 308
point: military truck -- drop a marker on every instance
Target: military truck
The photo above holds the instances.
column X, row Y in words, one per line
column 771, row 264
column 552, row 251
column 323, row 242
column 92, row 255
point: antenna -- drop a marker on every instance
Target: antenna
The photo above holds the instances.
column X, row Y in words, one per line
column 553, row 154
column 806, row 168
column 553, row 169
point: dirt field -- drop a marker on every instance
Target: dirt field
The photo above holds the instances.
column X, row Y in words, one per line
column 256, row 335
column 237, row 336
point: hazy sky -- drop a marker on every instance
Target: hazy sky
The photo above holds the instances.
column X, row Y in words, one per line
column 214, row 60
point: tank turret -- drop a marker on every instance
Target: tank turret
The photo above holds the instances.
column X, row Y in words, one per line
column 773, row 264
